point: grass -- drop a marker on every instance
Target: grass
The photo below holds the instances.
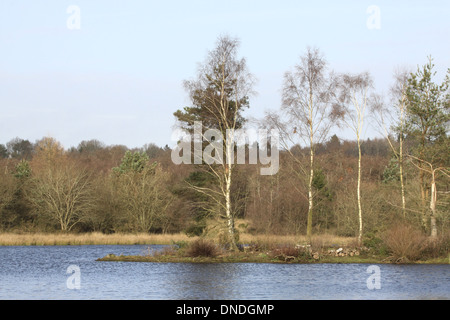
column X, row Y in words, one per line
column 238, row 257
column 97, row 238
column 206, row 251
column 94, row 238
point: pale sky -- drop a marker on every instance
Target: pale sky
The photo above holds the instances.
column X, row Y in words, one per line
column 117, row 75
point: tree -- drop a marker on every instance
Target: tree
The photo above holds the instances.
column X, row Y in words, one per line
column 152, row 150
column 90, row 146
column 433, row 199
column 3, row 152
column 20, row 149
column 22, row 170
column 48, row 152
column 140, row 190
column 427, row 116
column 307, row 107
column 219, row 95
column 132, row 162
column 395, row 113
column 62, row 193
column 7, row 188
column 350, row 106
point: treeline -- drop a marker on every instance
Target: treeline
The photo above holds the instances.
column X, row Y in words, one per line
column 109, row 189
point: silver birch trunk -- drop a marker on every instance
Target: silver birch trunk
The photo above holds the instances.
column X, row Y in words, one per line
column 359, row 194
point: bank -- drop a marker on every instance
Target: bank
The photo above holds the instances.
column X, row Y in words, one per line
column 276, row 255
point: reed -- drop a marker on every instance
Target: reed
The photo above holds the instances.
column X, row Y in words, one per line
column 97, row 238
column 94, row 238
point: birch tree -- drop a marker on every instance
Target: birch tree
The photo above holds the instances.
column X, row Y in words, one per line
column 394, row 116
column 307, row 115
column 351, row 106
column 219, row 94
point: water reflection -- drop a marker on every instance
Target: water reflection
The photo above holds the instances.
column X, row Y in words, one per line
column 40, row 273
column 206, row 281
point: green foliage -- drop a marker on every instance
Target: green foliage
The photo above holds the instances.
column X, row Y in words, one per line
column 427, row 107
column 319, row 180
column 3, row 152
column 391, row 172
column 195, row 229
column 133, row 162
column 22, row 170
column 375, row 243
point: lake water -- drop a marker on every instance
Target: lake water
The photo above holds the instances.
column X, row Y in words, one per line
column 41, row 273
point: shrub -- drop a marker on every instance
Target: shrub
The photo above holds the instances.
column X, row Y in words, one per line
column 288, row 251
column 439, row 247
column 376, row 244
column 225, row 240
column 202, row 248
column 195, row 230
column 404, row 243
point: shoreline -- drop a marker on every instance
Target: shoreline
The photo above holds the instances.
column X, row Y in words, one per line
column 267, row 260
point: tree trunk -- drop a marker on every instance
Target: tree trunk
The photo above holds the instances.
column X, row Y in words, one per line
column 229, row 213
column 311, row 175
column 402, row 184
column 433, row 201
column 359, row 194
column 310, row 198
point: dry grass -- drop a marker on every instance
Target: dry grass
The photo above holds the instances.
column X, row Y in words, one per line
column 324, row 240
column 95, row 238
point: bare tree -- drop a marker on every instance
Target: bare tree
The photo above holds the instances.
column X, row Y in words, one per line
column 62, row 193
column 307, row 115
column 394, row 114
column 351, row 105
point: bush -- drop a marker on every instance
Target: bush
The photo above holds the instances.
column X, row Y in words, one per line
column 376, row 244
column 286, row 252
column 202, row 248
column 404, row 243
column 195, row 230
column 439, row 247
column 225, row 239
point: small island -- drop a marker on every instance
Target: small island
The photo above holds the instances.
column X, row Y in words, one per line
column 206, row 251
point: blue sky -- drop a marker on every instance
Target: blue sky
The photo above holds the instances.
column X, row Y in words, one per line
column 118, row 78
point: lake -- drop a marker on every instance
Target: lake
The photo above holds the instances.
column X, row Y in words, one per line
column 72, row 273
